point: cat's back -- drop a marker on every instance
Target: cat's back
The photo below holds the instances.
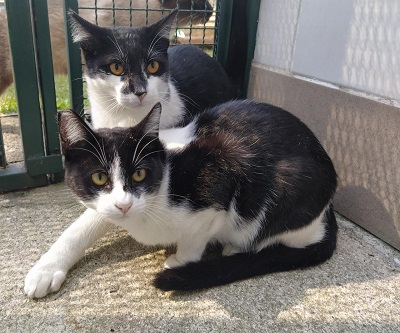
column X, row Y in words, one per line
column 196, row 74
column 251, row 147
column 251, row 132
column 245, row 119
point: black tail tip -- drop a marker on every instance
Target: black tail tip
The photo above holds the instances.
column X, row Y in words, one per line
column 170, row 279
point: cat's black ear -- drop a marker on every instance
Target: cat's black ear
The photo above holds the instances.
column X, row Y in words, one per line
column 82, row 31
column 163, row 27
column 150, row 125
column 73, row 130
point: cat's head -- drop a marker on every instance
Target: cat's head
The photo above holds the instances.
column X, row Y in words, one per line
column 125, row 66
column 113, row 171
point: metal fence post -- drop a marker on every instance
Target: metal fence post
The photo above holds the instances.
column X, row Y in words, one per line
column 223, row 30
column 253, row 9
column 39, row 135
column 46, row 84
column 25, row 80
column 73, row 61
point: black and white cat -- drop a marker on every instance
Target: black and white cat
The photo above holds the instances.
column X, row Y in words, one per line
column 250, row 176
column 129, row 69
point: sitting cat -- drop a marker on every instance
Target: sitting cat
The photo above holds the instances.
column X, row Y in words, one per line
column 129, row 69
column 192, row 11
column 247, row 175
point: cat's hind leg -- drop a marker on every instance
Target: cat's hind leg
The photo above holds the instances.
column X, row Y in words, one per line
column 192, row 243
column 189, row 249
column 50, row 271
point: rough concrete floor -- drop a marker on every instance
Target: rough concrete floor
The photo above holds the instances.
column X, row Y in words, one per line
column 358, row 290
column 12, row 138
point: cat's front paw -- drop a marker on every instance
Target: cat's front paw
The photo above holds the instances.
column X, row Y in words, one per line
column 43, row 279
column 172, row 262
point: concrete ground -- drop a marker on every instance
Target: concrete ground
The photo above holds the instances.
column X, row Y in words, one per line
column 358, row 290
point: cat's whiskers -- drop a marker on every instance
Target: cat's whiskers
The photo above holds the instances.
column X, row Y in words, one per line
column 113, row 108
column 115, row 42
column 177, row 104
column 187, row 98
column 102, row 155
column 89, row 151
column 168, row 102
column 160, row 34
column 152, row 212
column 140, row 140
column 153, row 152
column 152, row 218
column 156, row 52
column 151, row 141
column 158, row 215
column 172, row 195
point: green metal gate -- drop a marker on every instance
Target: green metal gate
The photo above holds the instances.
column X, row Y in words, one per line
column 34, row 79
column 34, row 83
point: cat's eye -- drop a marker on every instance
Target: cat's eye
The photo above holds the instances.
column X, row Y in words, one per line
column 153, row 67
column 139, row 175
column 99, row 178
column 116, row 69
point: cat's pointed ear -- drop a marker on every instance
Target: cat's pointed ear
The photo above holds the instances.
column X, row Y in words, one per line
column 82, row 31
column 150, row 125
column 163, row 27
column 73, row 130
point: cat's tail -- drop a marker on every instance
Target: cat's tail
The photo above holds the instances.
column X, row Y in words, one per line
column 224, row 270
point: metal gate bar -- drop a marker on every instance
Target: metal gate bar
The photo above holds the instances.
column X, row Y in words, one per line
column 39, row 138
column 73, row 61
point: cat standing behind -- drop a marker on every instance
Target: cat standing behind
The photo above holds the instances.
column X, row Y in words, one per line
column 250, row 176
column 129, row 69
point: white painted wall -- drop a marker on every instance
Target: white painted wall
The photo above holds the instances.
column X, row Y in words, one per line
column 350, row 43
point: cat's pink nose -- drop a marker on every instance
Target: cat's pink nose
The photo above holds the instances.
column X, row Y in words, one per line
column 123, row 207
column 140, row 95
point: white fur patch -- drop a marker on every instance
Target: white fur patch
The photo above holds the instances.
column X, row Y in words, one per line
column 300, row 238
column 109, row 107
column 237, row 235
column 108, row 203
column 178, row 138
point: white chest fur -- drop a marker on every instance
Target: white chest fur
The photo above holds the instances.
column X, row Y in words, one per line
column 108, row 109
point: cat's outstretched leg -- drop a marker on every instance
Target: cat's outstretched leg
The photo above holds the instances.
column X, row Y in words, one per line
column 50, row 271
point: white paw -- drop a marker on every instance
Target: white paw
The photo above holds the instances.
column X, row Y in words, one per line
column 172, row 262
column 43, row 279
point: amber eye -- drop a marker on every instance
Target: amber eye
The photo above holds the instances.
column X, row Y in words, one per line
column 116, row 69
column 139, row 175
column 99, row 178
column 153, row 67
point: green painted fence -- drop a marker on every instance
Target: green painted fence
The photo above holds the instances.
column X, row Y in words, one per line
column 34, row 84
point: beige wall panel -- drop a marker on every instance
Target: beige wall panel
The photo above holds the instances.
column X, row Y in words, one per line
column 361, row 135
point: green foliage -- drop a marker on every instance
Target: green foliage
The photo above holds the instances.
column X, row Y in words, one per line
column 8, row 102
